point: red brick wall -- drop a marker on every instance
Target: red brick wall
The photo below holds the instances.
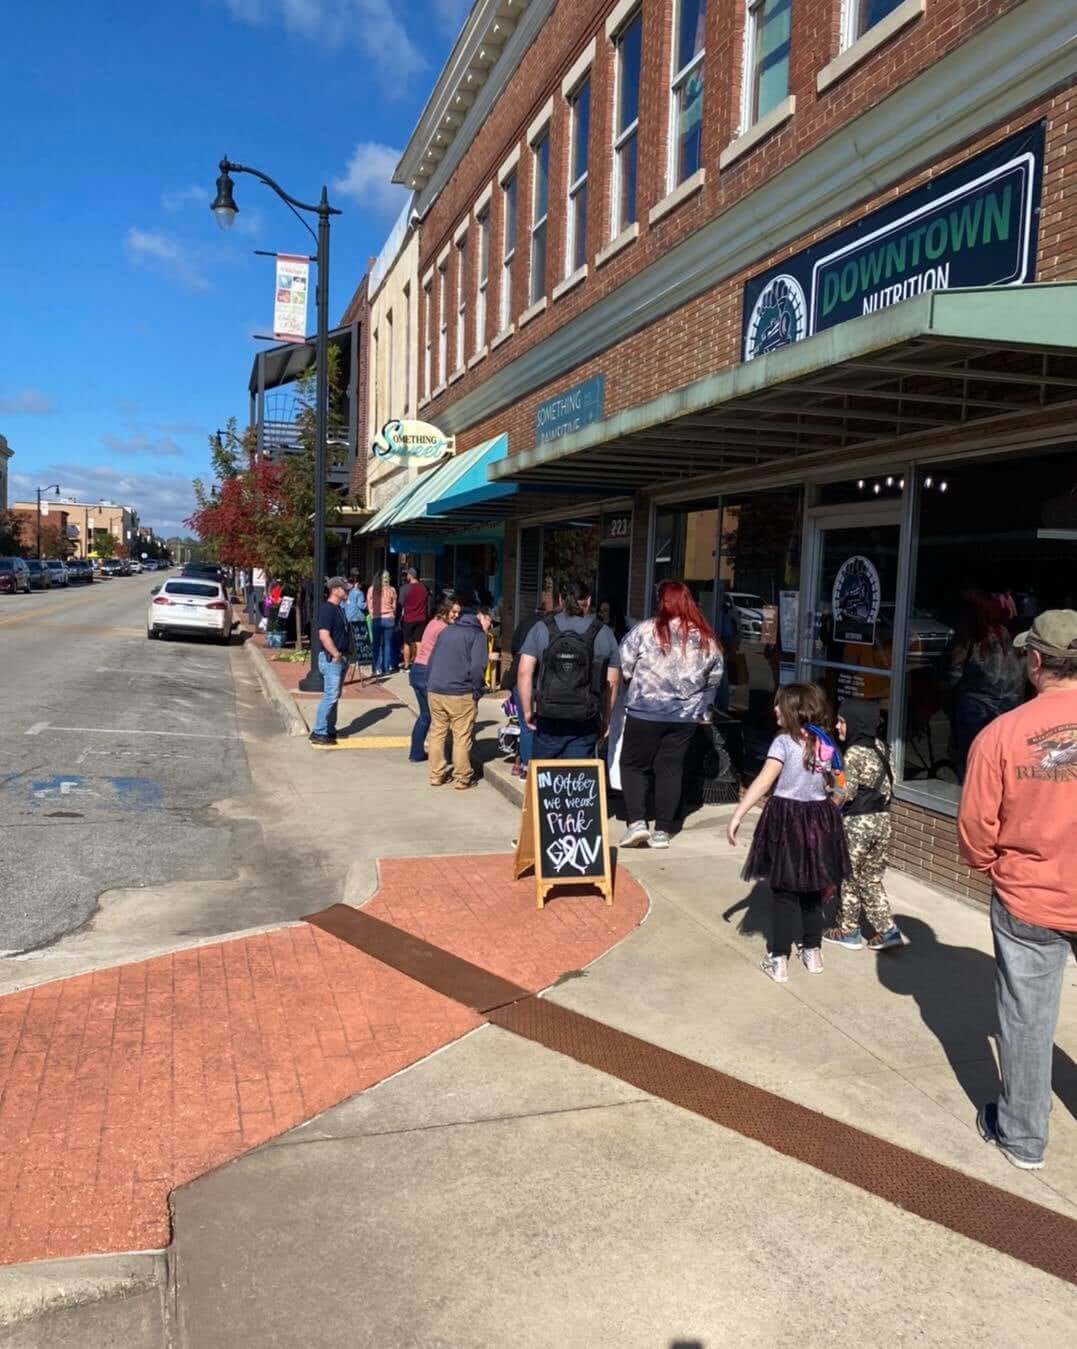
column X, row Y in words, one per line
column 563, row 37
column 925, row 845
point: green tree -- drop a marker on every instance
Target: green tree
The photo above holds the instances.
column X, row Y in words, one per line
column 10, row 534
column 104, row 545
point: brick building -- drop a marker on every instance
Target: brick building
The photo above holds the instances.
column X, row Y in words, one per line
column 780, row 298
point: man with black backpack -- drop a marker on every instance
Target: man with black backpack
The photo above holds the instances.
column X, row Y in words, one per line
column 578, row 666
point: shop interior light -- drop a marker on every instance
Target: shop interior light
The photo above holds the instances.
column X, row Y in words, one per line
column 889, row 482
column 860, row 484
column 943, row 486
column 928, row 482
column 878, row 489
column 901, row 484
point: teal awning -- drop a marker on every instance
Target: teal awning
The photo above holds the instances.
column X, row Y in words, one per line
column 416, row 504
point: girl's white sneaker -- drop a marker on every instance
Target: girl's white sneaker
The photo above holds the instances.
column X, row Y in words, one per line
column 812, row 959
column 775, row 967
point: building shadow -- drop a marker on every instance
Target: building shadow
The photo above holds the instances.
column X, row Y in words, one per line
column 954, row 990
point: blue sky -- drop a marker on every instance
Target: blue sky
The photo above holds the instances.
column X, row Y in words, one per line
column 127, row 321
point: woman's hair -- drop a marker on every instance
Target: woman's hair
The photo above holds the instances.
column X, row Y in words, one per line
column 444, row 608
column 801, row 705
column 982, row 619
column 573, row 593
column 675, row 601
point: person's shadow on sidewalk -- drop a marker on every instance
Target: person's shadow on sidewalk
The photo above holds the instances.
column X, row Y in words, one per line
column 366, row 720
column 954, row 989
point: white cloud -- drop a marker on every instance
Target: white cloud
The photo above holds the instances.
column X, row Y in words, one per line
column 163, row 500
column 162, row 448
column 176, row 198
column 370, row 25
column 32, row 402
column 452, row 13
column 166, row 255
column 368, row 179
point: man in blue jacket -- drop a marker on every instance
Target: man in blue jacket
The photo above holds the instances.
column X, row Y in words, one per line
column 454, row 683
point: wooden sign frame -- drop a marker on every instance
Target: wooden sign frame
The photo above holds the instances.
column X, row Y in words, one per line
column 530, row 838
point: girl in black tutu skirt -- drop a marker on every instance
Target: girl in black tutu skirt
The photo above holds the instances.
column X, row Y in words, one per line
column 799, row 844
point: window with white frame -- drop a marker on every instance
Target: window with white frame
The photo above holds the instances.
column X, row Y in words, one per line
column 407, row 350
column 376, row 366
column 461, row 302
column 579, row 106
column 860, row 15
column 628, row 44
column 766, row 58
column 482, row 277
column 686, row 114
column 443, row 322
column 540, row 205
column 390, row 362
column 508, row 216
column 428, row 338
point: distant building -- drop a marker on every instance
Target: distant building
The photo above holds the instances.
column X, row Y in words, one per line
column 85, row 518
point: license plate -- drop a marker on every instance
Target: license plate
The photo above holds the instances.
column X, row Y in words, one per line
column 191, row 609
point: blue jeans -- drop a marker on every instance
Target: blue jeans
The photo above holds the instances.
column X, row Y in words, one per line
column 325, row 720
column 417, row 680
column 527, row 735
column 563, row 739
column 383, row 645
column 1030, row 964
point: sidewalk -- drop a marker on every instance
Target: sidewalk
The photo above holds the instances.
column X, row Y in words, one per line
column 497, row 1191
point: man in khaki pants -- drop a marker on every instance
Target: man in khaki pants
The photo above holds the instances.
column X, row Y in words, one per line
column 455, row 674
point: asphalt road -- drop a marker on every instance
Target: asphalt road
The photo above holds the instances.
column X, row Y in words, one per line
column 112, row 748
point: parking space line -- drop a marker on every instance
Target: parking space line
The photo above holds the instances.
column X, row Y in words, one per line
column 38, row 727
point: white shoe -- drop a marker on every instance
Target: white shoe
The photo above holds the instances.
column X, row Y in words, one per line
column 637, row 835
column 775, row 967
column 659, row 839
column 812, row 959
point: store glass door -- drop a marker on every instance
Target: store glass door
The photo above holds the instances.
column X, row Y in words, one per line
column 848, row 639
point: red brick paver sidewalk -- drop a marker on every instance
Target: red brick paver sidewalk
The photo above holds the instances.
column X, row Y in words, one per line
column 117, row 1086
column 290, row 672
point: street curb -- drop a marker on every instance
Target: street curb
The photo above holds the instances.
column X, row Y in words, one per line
column 293, row 722
column 33, row 1290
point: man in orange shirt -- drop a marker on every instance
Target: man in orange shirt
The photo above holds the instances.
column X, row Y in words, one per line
column 1017, row 822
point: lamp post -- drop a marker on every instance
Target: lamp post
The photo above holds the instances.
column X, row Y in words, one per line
column 52, row 487
column 226, row 210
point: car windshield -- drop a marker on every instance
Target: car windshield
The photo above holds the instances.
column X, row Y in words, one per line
column 8, row 563
column 35, row 565
column 192, row 588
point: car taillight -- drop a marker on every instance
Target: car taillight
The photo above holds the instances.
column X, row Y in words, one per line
column 160, row 599
column 216, row 604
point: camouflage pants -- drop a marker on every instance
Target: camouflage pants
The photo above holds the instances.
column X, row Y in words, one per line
column 863, row 894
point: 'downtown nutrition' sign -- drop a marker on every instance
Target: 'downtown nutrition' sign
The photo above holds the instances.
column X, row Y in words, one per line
column 564, row 833
column 975, row 225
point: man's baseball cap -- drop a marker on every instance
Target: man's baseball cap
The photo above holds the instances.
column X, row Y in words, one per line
column 1053, row 633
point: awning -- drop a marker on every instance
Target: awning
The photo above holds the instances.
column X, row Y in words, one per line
column 285, row 363
column 415, row 505
column 935, row 363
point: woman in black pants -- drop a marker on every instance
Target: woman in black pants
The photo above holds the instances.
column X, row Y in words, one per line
column 674, row 664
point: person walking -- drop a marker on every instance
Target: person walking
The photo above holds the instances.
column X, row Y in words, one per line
column 448, row 611
column 673, row 666
column 865, row 816
column 454, row 686
column 414, row 612
column 334, row 635
column 567, row 678
column 381, row 605
column 1016, row 823
column 799, row 844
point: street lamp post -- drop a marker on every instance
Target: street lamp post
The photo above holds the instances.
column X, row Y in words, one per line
column 52, row 487
column 225, row 210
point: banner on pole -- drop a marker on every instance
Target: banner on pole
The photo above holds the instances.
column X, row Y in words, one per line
column 290, row 308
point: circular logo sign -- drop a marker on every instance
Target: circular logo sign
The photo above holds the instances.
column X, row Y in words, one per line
column 778, row 317
column 856, row 599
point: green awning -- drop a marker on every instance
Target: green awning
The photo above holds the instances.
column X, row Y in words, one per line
column 937, row 362
column 409, row 506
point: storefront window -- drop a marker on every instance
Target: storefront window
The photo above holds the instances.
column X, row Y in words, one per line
column 570, row 553
column 686, row 543
column 997, row 544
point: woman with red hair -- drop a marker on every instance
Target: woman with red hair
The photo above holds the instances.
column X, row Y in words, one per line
column 674, row 664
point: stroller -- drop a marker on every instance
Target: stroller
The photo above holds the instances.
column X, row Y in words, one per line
column 508, row 735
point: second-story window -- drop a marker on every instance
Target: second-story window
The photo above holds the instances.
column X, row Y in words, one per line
column 377, row 380
column 443, row 322
column 540, row 200
column 864, row 14
column 579, row 104
column 482, row 278
column 428, row 339
column 461, row 302
column 508, row 202
column 390, row 362
column 407, row 350
column 766, row 67
column 686, row 139
column 629, row 44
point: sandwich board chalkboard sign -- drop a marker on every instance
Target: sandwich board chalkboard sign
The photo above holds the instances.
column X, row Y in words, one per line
column 564, row 833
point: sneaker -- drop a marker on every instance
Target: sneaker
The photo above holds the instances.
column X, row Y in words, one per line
column 987, row 1124
column 886, row 940
column 812, row 959
column 317, row 739
column 660, row 839
column 637, row 835
column 852, row 941
column 775, row 967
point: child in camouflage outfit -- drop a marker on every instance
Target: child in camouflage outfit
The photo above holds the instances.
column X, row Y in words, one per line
column 866, row 817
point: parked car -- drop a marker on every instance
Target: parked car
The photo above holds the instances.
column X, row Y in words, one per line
column 14, row 576
column 58, row 568
column 40, row 576
column 190, row 605
column 210, row 570
column 747, row 612
column 80, row 571
column 111, row 567
column 125, row 567
column 136, row 567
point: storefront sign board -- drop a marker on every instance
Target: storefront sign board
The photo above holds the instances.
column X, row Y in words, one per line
column 855, row 601
column 974, row 225
column 290, row 306
column 400, row 439
column 568, row 412
column 564, row 832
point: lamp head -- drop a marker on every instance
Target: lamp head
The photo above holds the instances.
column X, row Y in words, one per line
column 224, row 206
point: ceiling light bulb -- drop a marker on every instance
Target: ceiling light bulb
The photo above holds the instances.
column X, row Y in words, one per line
column 928, row 482
column 889, row 482
column 877, row 489
column 860, row 484
column 943, row 486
